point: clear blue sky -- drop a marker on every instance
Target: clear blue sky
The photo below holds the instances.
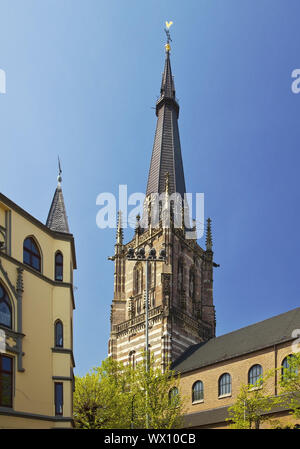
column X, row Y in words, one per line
column 82, row 77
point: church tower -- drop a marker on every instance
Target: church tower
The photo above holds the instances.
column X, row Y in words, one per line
column 181, row 310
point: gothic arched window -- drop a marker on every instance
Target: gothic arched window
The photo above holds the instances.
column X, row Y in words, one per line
column 180, row 275
column 150, row 274
column 31, row 254
column 225, row 384
column 198, row 391
column 5, row 309
column 173, row 396
column 192, row 283
column 286, row 367
column 132, row 359
column 138, row 279
column 59, row 337
column 255, row 374
column 59, row 266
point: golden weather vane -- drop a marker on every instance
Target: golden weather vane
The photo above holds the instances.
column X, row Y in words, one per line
column 167, row 30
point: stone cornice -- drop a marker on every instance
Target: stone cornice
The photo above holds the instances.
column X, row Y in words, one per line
column 65, row 351
column 137, row 323
column 11, row 412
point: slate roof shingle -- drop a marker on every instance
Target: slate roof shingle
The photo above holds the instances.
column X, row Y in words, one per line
column 57, row 218
column 166, row 153
column 257, row 336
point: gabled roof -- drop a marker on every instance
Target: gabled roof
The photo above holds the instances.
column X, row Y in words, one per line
column 166, row 154
column 57, row 218
column 55, row 234
column 263, row 334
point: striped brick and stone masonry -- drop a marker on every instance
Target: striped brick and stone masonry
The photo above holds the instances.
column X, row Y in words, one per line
column 181, row 310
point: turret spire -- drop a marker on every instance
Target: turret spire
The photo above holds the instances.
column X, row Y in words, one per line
column 166, row 154
column 57, row 218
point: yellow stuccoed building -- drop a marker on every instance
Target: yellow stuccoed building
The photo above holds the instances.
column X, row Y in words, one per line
column 36, row 317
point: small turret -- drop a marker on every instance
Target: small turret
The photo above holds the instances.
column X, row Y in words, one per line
column 57, row 218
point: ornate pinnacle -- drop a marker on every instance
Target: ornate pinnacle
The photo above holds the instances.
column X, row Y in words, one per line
column 208, row 236
column 167, row 183
column 20, row 287
column 119, row 229
column 138, row 224
column 130, row 307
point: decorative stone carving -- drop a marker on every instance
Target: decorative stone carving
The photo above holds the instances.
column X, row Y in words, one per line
column 130, row 308
column 166, row 282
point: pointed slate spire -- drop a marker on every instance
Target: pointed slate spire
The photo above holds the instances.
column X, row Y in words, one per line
column 57, row 218
column 167, row 89
column 166, row 154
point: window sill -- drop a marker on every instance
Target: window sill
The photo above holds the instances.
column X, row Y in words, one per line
column 224, row 396
column 255, row 388
column 198, row 402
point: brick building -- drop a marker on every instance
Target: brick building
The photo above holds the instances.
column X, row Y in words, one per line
column 240, row 356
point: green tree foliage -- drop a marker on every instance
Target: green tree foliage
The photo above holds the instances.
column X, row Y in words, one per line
column 156, row 394
column 101, row 397
column 115, row 396
column 252, row 405
column 290, row 384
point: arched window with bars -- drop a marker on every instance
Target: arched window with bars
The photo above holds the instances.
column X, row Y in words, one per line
column 197, row 391
column 255, row 374
column 31, row 254
column 225, row 384
column 59, row 266
column 59, row 334
column 138, row 279
column 286, row 366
